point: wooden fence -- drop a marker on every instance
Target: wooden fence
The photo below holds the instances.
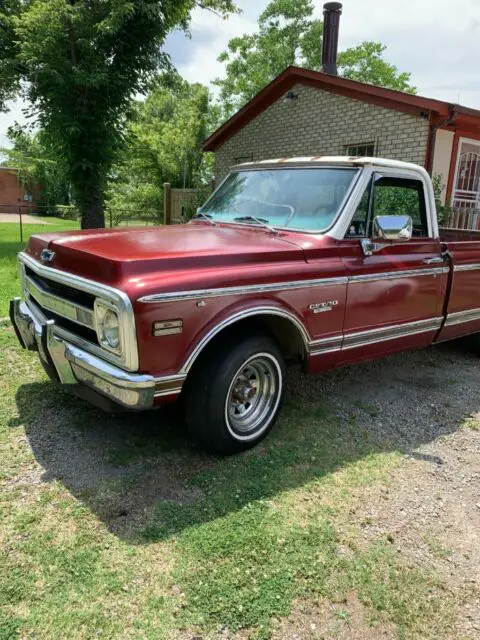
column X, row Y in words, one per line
column 179, row 205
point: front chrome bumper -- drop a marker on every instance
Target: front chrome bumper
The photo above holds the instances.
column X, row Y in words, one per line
column 72, row 366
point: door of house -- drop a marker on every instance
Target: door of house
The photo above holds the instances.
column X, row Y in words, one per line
column 466, row 195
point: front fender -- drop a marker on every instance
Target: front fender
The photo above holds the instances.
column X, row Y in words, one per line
column 202, row 320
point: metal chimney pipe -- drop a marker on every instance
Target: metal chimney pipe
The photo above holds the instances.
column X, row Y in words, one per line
column 331, row 25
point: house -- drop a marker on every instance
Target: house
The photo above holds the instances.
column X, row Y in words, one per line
column 314, row 113
column 13, row 194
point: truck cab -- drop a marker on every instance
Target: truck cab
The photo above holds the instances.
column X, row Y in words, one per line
column 318, row 261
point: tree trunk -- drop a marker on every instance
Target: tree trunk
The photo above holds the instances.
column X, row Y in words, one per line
column 92, row 211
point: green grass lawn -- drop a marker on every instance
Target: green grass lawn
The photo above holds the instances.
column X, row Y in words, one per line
column 117, row 527
column 10, row 245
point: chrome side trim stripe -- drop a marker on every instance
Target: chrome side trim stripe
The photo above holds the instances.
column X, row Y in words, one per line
column 473, row 266
column 462, row 316
column 174, row 378
column 169, row 385
column 179, row 296
column 168, row 392
column 326, row 345
column 392, row 275
column 363, row 338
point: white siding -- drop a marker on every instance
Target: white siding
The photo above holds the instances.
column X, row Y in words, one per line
column 442, row 157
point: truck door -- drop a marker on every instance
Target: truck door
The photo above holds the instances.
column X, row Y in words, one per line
column 395, row 295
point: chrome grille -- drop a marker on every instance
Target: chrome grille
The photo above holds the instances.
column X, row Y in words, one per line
column 77, row 296
column 69, row 300
column 72, row 327
column 59, row 306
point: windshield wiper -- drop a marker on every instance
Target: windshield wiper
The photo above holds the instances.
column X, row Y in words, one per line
column 205, row 216
column 261, row 221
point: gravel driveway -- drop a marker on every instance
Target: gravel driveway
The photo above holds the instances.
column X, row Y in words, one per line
column 426, row 404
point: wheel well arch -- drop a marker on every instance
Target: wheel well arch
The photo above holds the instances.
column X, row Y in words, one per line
column 289, row 332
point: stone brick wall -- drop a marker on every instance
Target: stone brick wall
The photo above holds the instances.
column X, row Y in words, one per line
column 322, row 123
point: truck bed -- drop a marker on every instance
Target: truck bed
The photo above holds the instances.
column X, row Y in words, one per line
column 459, row 235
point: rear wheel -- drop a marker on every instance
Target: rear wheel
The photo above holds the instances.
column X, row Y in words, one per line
column 235, row 393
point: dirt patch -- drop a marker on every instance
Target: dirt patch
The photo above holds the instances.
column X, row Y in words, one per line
column 324, row 621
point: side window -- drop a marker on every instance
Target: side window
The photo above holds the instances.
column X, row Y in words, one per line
column 392, row 197
column 400, row 197
column 359, row 224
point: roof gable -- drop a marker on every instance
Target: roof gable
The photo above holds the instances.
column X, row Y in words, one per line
column 388, row 98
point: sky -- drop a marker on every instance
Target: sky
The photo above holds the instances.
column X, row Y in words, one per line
column 436, row 40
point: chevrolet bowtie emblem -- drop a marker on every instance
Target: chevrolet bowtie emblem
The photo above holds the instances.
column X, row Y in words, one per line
column 47, row 256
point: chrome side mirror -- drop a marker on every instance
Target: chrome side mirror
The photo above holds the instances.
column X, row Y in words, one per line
column 387, row 229
column 393, row 228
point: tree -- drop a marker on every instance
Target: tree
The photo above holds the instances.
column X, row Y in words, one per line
column 364, row 63
column 288, row 34
column 38, row 166
column 164, row 144
column 80, row 62
column 9, row 66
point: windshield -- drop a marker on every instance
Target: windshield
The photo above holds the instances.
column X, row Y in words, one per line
column 303, row 199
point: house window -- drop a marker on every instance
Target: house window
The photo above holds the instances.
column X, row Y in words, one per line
column 243, row 159
column 362, row 149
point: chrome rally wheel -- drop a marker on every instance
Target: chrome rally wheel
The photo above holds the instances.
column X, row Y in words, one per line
column 253, row 396
column 235, row 392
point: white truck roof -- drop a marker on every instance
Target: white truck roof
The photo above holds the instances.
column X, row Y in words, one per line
column 353, row 161
column 356, row 161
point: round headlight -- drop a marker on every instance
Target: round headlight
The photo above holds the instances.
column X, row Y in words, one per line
column 111, row 329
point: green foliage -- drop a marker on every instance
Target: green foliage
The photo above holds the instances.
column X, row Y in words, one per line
column 39, row 168
column 289, row 35
column 164, row 144
column 81, row 61
column 365, row 63
column 438, row 185
column 397, row 201
column 444, row 212
column 9, row 627
column 9, row 68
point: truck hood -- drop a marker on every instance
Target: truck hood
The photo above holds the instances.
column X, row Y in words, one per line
column 113, row 256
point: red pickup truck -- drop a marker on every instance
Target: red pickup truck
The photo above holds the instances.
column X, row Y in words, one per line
column 318, row 261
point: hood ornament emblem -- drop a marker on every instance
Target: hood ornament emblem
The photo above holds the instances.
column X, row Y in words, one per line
column 47, row 256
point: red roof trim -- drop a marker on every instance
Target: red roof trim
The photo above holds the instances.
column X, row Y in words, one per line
column 397, row 100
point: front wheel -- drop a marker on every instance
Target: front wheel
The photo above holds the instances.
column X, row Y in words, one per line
column 235, row 393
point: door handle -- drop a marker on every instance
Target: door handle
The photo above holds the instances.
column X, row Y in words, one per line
column 436, row 260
